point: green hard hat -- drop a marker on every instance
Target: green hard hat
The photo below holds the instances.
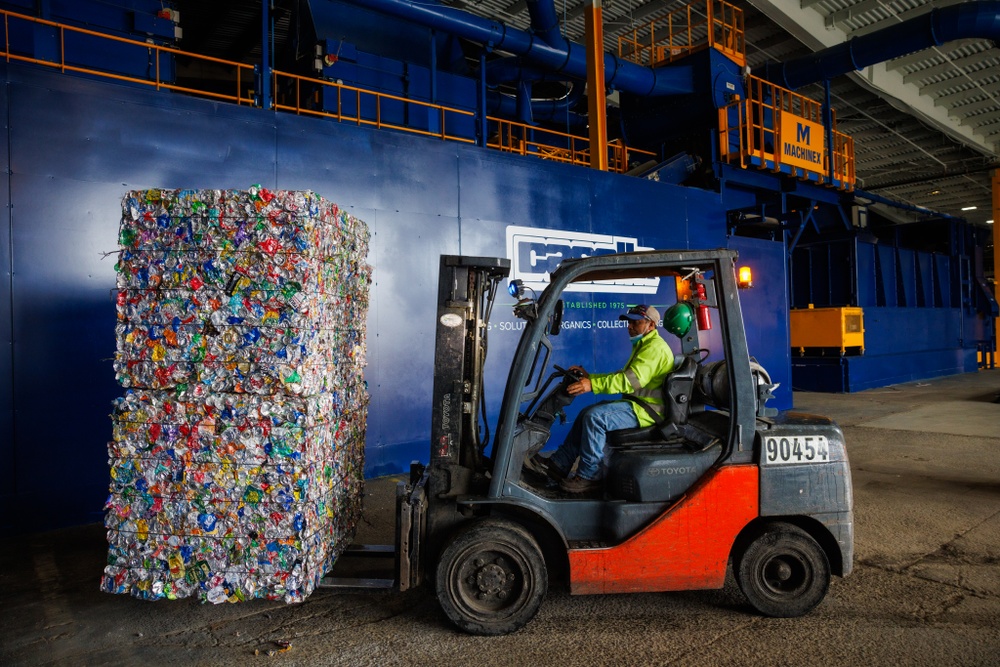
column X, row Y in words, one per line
column 678, row 318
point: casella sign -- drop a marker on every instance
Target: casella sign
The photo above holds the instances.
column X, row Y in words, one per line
column 535, row 253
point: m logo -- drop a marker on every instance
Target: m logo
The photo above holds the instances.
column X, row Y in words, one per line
column 802, row 143
column 535, row 253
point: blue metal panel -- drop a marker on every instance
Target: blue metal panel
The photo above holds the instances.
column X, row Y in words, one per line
column 925, row 279
column 335, row 159
column 850, row 374
column 765, row 311
column 73, row 155
column 405, row 252
column 63, row 333
column 885, row 262
column 926, row 329
column 83, row 136
column 76, row 146
column 942, row 281
column 867, row 275
column 521, row 191
column 359, row 168
column 906, row 273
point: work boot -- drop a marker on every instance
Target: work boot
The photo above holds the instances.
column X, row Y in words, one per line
column 581, row 485
column 540, row 465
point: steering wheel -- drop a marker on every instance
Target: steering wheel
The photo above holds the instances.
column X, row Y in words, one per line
column 565, row 372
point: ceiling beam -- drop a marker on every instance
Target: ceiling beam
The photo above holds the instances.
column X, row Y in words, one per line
column 975, row 60
column 904, row 15
column 855, row 10
column 973, row 108
column 990, row 89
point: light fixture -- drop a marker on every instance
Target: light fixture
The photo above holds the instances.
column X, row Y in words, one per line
column 968, row 208
column 989, row 222
column 744, row 279
column 516, row 288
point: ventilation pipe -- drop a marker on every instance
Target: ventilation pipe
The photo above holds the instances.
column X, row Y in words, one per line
column 545, row 22
column 555, row 110
column 544, row 26
column 980, row 20
column 567, row 58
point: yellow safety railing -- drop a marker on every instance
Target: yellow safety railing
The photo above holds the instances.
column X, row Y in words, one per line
column 300, row 95
column 750, row 134
column 698, row 25
column 514, row 137
column 304, row 95
column 239, row 89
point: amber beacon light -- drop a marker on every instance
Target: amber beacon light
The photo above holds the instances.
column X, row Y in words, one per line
column 744, row 278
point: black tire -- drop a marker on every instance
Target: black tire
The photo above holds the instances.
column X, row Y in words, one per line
column 491, row 578
column 783, row 571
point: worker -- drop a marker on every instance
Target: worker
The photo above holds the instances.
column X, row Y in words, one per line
column 642, row 377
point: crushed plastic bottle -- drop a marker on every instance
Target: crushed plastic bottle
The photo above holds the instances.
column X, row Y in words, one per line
column 237, row 456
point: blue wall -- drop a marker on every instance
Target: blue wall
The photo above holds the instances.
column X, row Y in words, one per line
column 76, row 146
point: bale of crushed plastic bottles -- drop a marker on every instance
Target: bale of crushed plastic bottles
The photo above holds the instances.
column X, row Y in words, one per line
column 237, row 455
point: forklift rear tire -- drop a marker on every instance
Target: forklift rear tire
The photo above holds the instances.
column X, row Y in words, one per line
column 491, row 578
column 783, row 572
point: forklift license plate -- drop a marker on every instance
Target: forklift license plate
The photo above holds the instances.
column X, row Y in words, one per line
column 796, row 449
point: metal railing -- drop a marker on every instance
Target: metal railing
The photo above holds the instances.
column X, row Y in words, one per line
column 159, row 70
column 304, row 95
column 750, row 134
column 513, row 137
column 698, row 25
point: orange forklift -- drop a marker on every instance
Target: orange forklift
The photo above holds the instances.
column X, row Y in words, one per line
column 721, row 480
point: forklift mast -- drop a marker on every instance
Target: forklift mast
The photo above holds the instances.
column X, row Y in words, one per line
column 467, row 287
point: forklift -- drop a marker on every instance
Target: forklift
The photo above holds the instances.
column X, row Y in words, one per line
column 721, row 481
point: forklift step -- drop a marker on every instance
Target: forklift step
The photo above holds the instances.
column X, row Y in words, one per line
column 370, row 551
column 348, row 583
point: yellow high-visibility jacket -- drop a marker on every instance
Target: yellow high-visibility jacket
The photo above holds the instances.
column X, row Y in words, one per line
column 642, row 376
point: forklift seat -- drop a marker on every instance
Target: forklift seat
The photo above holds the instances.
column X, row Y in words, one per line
column 678, row 391
column 658, row 463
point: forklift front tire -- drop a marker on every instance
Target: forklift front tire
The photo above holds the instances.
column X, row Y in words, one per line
column 491, row 578
column 783, row 572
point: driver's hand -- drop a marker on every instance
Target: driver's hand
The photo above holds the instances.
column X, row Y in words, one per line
column 580, row 370
column 579, row 387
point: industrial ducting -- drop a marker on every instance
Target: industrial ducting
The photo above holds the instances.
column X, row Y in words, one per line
column 544, row 48
column 980, row 20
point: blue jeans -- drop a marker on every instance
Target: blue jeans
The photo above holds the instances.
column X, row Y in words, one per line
column 587, row 436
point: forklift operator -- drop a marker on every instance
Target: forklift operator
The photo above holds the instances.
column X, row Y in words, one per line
column 642, row 377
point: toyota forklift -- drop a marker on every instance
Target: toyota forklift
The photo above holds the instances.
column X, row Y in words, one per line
column 721, row 480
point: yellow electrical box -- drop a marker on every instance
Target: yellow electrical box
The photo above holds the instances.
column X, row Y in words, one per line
column 828, row 328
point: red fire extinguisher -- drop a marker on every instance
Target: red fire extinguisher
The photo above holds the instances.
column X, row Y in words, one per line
column 704, row 317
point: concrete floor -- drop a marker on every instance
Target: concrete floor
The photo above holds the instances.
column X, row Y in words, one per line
column 925, row 590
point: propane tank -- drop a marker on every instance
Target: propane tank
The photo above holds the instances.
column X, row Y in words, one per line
column 712, row 382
